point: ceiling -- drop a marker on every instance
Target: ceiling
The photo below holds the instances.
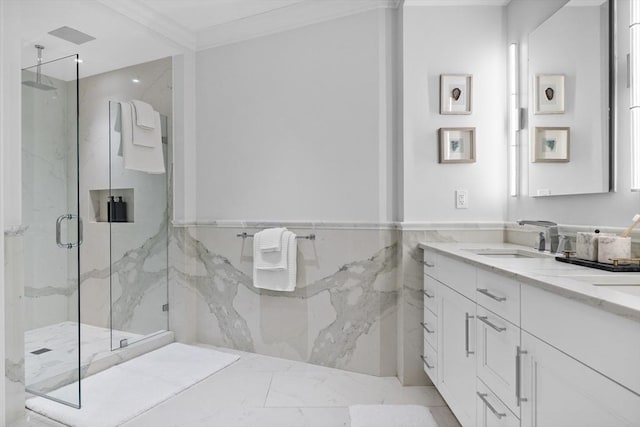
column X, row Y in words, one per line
column 129, row 32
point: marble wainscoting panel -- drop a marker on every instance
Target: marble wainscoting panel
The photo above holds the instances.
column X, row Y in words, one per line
column 342, row 313
column 14, row 321
column 411, row 278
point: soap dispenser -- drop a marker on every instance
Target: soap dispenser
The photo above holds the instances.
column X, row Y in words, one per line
column 541, row 242
column 121, row 210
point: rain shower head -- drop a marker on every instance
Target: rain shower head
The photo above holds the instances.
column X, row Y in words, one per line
column 37, row 84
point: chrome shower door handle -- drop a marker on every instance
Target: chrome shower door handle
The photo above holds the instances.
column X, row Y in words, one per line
column 59, row 227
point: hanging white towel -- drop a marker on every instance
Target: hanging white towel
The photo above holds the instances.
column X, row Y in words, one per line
column 270, row 260
column 281, row 279
column 144, row 113
column 139, row 157
column 270, row 240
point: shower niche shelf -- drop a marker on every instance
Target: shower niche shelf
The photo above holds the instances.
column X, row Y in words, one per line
column 98, row 204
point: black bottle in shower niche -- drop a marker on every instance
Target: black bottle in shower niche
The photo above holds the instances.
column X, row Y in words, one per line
column 111, row 203
column 120, row 210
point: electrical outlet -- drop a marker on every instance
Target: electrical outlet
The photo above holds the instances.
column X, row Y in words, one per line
column 462, row 199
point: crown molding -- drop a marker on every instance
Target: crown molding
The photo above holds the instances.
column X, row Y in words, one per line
column 154, row 21
column 287, row 18
column 456, row 2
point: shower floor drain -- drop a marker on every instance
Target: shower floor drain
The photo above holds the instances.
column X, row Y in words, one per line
column 41, row 350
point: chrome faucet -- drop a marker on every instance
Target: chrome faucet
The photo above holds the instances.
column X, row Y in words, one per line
column 551, row 228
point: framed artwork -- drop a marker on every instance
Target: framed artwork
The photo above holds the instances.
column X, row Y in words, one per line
column 455, row 93
column 551, row 145
column 549, row 94
column 457, row 145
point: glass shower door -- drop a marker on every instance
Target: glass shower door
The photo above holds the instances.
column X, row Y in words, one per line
column 53, row 229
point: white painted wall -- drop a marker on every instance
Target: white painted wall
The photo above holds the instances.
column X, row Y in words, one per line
column 454, row 40
column 295, row 125
column 614, row 209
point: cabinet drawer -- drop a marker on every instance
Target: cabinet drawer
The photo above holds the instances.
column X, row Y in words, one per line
column 458, row 275
column 490, row 411
column 607, row 343
column 429, row 362
column 429, row 259
column 499, row 294
column 430, row 327
column 429, row 292
column 497, row 343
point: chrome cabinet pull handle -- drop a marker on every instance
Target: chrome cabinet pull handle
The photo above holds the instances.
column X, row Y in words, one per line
column 428, row 265
column 427, row 294
column 492, row 296
column 58, row 231
column 483, row 397
column 519, row 397
column 424, row 360
column 424, row 325
column 492, row 325
column 467, row 317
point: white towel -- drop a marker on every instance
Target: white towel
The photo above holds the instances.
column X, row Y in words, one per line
column 278, row 279
column 139, row 157
column 270, row 260
column 147, row 137
column 271, row 239
column 145, row 117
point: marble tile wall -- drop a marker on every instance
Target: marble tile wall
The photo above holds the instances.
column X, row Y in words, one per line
column 138, row 249
column 342, row 314
column 14, row 333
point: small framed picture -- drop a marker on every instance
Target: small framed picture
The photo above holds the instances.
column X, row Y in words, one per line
column 551, row 145
column 457, row 145
column 549, row 94
column 455, row 93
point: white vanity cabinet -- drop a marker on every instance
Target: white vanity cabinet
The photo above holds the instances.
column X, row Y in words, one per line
column 558, row 390
column 511, row 353
column 456, row 353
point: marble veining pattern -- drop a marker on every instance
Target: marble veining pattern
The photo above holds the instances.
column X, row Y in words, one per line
column 356, row 292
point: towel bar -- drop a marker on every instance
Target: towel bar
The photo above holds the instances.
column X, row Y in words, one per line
column 308, row 237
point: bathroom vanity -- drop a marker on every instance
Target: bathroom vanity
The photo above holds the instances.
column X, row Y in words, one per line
column 514, row 338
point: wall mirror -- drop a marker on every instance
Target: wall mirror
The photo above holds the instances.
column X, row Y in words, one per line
column 571, row 107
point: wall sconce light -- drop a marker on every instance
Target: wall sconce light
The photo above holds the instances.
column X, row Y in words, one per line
column 634, row 102
column 514, row 121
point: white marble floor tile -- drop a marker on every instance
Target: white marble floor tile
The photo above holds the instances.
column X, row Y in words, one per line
column 263, row 391
column 31, row 419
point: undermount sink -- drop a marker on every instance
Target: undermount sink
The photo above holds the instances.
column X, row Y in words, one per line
column 609, row 280
column 508, row 253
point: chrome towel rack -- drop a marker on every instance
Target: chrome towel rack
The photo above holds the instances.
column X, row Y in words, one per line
column 307, row 237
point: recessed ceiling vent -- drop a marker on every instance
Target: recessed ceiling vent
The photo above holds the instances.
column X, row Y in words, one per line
column 71, row 35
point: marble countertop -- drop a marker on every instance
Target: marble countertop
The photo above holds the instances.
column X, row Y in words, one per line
column 571, row 281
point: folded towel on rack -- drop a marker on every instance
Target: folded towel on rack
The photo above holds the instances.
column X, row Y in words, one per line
column 270, row 240
column 277, row 279
column 145, row 116
column 139, row 157
column 270, row 260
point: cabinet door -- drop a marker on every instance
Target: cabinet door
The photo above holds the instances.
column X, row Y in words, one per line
column 497, row 342
column 557, row 390
column 456, row 354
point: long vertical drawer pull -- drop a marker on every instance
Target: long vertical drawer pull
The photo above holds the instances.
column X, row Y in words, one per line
column 519, row 397
column 428, row 295
column 492, row 325
column 424, row 360
column 492, row 296
column 483, row 397
column 424, row 325
column 467, row 317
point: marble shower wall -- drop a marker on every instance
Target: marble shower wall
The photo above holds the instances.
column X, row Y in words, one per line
column 14, row 332
column 139, row 248
column 342, row 314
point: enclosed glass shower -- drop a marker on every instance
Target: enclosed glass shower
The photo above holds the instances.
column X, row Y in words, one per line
column 91, row 285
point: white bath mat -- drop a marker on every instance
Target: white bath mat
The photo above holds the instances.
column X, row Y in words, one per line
column 391, row 416
column 120, row 393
